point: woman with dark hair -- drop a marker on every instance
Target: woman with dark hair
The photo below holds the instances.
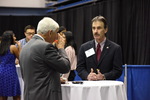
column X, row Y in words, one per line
column 61, row 29
column 71, row 51
column 9, row 82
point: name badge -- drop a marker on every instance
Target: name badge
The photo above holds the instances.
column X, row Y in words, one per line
column 89, row 52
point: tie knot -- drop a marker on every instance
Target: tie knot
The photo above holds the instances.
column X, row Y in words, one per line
column 98, row 45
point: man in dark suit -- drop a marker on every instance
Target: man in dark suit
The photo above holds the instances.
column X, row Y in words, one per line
column 41, row 63
column 103, row 61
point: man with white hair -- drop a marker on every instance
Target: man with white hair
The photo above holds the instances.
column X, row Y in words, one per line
column 41, row 63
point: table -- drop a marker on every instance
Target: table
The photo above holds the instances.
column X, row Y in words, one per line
column 94, row 90
column 20, row 80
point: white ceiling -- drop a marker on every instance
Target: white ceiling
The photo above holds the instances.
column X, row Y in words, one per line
column 23, row 3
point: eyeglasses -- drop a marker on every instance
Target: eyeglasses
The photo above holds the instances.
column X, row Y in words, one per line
column 30, row 33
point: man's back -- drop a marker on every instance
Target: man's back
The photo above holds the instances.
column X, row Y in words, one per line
column 40, row 70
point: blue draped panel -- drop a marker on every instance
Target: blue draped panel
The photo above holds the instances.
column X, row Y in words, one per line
column 138, row 87
column 77, row 78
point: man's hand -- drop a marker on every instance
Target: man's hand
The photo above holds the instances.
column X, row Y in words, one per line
column 100, row 76
column 95, row 77
column 92, row 76
column 63, row 80
column 18, row 43
column 61, row 42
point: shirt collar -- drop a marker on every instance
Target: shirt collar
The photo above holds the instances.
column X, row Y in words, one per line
column 102, row 43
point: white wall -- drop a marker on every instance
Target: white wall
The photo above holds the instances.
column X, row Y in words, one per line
column 23, row 3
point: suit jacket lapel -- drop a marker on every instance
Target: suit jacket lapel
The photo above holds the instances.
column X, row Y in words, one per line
column 105, row 51
column 94, row 57
column 92, row 45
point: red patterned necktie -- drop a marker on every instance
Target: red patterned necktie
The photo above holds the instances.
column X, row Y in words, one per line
column 98, row 52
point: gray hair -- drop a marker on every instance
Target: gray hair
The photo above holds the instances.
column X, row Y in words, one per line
column 47, row 24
